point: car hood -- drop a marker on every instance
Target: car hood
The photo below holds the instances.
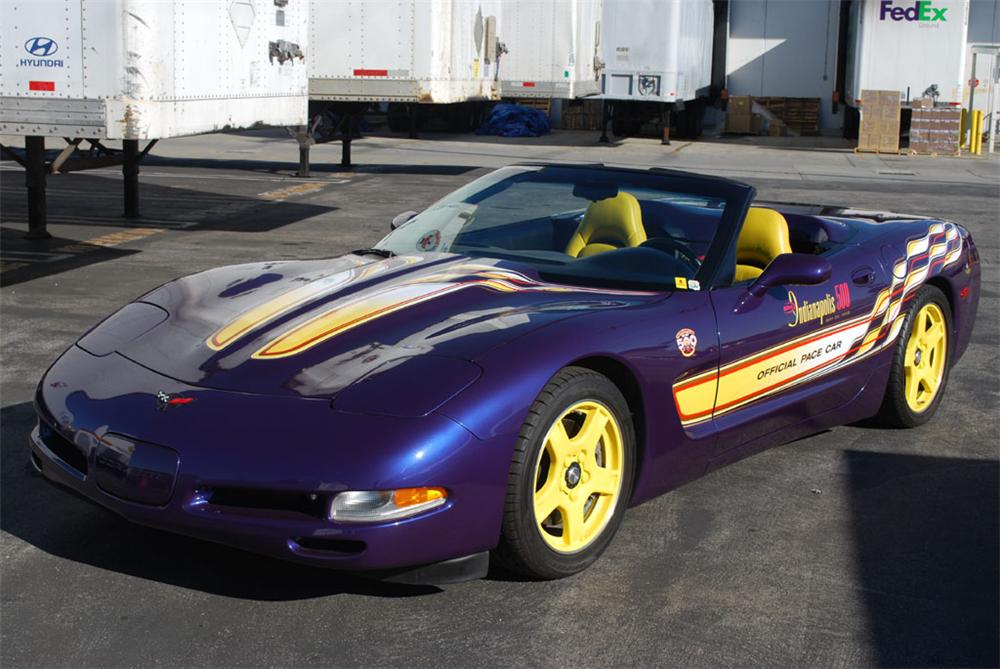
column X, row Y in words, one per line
column 311, row 328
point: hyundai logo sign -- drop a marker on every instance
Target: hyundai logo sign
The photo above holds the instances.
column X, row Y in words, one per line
column 41, row 46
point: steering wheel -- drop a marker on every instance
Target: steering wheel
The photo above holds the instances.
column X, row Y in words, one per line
column 674, row 248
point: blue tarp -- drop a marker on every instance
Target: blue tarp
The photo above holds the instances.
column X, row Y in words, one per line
column 509, row 120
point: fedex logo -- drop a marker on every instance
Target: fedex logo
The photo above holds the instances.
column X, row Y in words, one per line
column 922, row 10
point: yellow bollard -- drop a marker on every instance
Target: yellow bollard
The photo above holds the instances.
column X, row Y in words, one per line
column 972, row 134
column 976, row 140
column 979, row 134
column 963, row 128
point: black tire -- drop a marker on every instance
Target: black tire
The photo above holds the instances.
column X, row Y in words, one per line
column 522, row 548
column 896, row 410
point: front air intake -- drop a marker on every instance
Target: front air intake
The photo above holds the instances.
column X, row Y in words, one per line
column 305, row 503
column 62, row 448
column 330, row 546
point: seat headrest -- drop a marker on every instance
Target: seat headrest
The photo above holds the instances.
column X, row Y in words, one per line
column 613, row 222
column 763, row 238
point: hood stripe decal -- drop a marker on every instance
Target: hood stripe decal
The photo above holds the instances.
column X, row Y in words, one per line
column 355, row 312
column 288, row 301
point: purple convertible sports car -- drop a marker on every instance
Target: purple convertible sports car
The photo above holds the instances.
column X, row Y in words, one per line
column 505, row 372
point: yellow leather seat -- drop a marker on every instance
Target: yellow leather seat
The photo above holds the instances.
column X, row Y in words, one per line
column 763, row 238
column 608, row 224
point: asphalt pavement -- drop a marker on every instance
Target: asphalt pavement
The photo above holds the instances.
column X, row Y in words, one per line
column 857, row 546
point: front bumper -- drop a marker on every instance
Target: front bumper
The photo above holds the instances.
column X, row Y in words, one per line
column 277, row 454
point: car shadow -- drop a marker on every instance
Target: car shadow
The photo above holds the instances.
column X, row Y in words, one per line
column 62, row 524
column 926, row 541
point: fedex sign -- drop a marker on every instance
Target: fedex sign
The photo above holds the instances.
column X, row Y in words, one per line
column 922, row 10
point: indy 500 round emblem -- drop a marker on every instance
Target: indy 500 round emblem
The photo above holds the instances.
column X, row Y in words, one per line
column 687, row 342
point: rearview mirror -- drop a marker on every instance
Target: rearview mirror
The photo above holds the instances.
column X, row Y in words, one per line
column 795, row 269
column 401, row 219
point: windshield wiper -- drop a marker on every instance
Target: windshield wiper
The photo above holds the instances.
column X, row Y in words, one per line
column 384, row 253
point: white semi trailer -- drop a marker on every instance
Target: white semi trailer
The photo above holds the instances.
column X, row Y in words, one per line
column 916, row 47
column 657, row 58
column 424, row 58
column 142, row 70
column 554, row 48
column 423, row 51
column 421, row 58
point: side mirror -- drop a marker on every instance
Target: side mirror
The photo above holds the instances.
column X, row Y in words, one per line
column 401, row 219
column 796, row 269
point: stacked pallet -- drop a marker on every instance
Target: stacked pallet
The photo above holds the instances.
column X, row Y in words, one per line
column 581, row 115
column 879, row 122
column 935, row 130
column 541, row 104
column 800, row 115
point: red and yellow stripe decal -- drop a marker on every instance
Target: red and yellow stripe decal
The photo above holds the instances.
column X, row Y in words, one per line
column 778, row 368
column 286, row 302
column 350, row 312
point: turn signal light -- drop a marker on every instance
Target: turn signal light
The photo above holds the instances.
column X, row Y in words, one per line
column 372, row 506
column 413, row 496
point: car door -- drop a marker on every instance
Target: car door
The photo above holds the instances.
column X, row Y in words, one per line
column 788, row 355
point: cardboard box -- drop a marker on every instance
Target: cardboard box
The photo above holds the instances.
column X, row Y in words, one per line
column 739, row 124
column 888, row 143
column 880, row 121
column 935, row 130
column 739, row 105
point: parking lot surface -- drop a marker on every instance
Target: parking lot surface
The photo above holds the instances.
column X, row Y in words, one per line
column 857, row 546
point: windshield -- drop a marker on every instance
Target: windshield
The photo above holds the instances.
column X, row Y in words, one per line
column 579, row 225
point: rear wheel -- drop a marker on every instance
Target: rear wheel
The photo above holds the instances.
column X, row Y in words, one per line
column 920, row 364
column 571, row 477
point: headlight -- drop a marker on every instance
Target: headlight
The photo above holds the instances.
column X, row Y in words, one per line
column 370, row 506
column 125, row 325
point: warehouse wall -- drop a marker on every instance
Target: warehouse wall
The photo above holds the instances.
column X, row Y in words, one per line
column 782, row 48
column 984, row 30
column 984, row 22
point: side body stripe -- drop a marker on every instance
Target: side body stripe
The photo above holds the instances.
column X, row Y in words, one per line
column 778, row 368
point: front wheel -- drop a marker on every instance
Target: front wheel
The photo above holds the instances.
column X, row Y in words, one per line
column 571, row 476
column 920, row 362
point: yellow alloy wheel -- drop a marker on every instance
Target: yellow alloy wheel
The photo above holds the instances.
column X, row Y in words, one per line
column 578, row 476
column 926, row 351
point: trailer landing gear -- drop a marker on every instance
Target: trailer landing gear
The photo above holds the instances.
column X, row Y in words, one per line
column 130, row 174
column 34, row 179
column 329, row 123
column 605, row 105
column 36, row 172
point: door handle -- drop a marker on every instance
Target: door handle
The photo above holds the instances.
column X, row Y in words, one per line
column 863, row 276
